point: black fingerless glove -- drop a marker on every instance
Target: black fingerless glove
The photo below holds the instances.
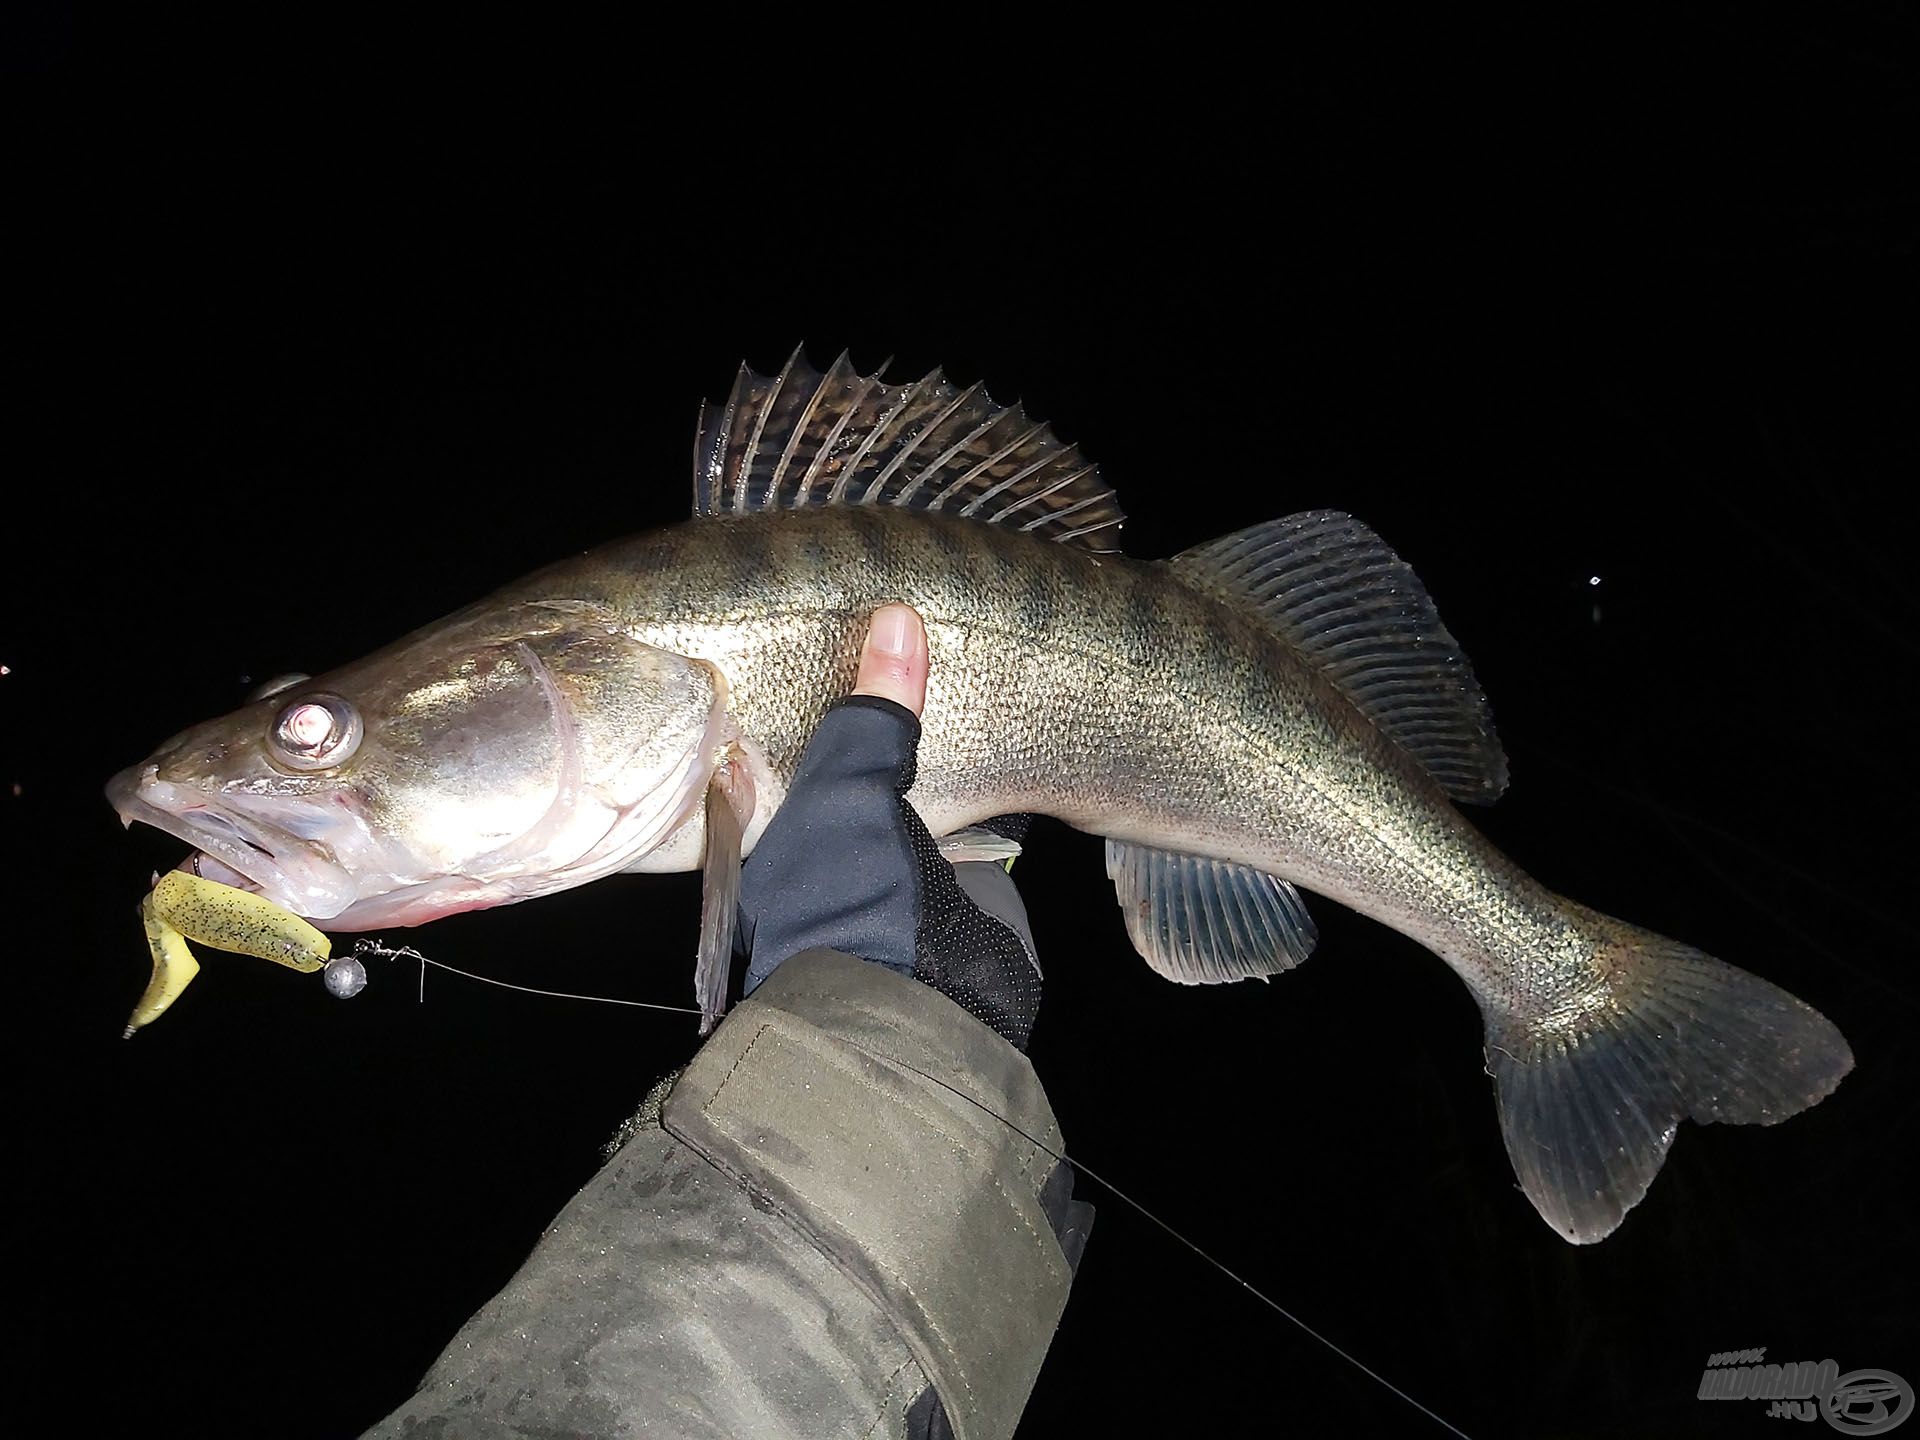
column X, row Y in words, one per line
column 848, row 865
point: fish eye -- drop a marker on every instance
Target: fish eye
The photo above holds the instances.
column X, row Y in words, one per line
column 276, row 685
column 316, row 732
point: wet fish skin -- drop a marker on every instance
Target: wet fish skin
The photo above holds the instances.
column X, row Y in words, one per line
column 1228, row 723
column 1212, row 737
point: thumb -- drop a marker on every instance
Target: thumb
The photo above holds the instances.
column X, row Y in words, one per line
column 893, row 662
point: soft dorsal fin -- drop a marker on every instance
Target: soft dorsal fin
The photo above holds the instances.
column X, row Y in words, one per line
column 1336, row 593
column 802, row 438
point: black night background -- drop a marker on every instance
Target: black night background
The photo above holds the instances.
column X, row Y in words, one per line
column 1608, row 329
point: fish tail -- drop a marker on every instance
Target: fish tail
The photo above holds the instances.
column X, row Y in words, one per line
column 1591, row 1093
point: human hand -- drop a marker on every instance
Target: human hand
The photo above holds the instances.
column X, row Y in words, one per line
column 848, row 865
column 893, row 662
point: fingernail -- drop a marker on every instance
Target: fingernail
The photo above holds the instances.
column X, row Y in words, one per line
column 891, row 624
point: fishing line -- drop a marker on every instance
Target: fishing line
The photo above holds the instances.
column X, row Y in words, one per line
column 406, row 952
column 375, row 949
column 1122, row 1195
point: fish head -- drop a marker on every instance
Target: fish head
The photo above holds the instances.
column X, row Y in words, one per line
column 479, row 762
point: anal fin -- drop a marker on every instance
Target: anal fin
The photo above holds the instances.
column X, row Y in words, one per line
column 1204, row 922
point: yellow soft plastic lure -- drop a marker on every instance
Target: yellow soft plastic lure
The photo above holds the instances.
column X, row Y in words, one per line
column 183, row 906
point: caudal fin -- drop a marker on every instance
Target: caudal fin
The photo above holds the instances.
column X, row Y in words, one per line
column 1590, row 1098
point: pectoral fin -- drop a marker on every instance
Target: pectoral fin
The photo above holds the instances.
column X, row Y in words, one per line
column 729, row 805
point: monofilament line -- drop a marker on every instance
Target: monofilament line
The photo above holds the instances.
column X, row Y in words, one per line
column 407, row 952
column 1119, row 1194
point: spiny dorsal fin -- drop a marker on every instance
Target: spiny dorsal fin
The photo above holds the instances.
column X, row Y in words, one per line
column 802, row 438
column 1206, row 922
column 1334, row 591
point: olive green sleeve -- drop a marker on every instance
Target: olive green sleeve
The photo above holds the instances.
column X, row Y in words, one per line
column 809, row 1231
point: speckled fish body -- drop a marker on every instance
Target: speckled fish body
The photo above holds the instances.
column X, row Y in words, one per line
column 1093, row 688
column 1281, row 707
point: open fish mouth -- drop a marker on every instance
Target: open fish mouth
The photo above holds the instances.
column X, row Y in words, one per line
column 288, row 869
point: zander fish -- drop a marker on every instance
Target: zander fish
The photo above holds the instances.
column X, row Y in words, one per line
column 1278, row 708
